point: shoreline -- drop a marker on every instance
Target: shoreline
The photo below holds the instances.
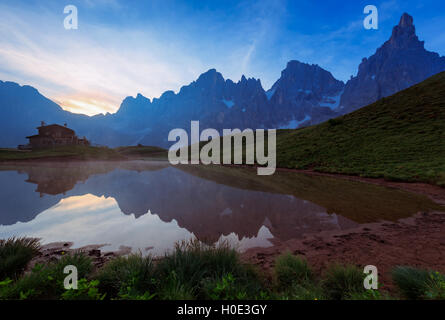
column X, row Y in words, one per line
column 416, row 241
column 53, row 251
column 434, row 192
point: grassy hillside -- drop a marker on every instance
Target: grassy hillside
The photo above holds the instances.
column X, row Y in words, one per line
column 401, row 137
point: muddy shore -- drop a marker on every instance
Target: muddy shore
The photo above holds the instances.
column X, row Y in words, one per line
column 418, row 241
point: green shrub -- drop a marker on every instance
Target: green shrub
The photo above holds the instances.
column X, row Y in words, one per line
column 229, row 287
column 369, row 294
column 335, row 122
column 291, row 270
column 15, row 254
column 225, row 288
column 436, row 287
column 419, row 283
column 46, row 282
column 130, row 277
column 412, row 282
column 171, row 288
column 86, row 290
column 193, row 263
column 79, row 259
column 306, row 291
column 342, row 281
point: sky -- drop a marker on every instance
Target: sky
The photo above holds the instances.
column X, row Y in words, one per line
column 125, row 47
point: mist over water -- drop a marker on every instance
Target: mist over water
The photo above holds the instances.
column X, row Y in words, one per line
column 148, row 206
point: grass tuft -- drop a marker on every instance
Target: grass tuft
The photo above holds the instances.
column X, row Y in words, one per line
column 341, row 281
column 291, row 270
column 46, row 281
column 127, row 277
column 417, row 284
column 15, row 254
column 195, row 266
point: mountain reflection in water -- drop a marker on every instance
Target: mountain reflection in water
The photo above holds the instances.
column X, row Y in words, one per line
column 149, row 206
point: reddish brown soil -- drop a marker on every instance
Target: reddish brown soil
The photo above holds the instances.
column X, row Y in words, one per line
column 418, row 241
column 52, row 252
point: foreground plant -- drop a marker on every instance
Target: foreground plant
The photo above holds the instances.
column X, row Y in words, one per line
column 86, row 290
column 200, row 269
column 342, row 281
column 290, row 270
column 130, row 277
column 436, row 286
column 417, row 284
column 46, row 281
column 15, row 254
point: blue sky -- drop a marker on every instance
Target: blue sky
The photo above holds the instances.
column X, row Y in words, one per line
column 125, row 47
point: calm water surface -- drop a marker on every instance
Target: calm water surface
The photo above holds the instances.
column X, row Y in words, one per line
column 149, row 206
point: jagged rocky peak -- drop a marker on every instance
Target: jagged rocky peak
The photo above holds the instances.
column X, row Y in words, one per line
column 139, row 96
column 298, row 77
column 399, row 63
column 247, row 80
column 210, row 82
column 211, row 78
column 133, row 106
column 138, row 99
column 250, row 84
column 404, row 34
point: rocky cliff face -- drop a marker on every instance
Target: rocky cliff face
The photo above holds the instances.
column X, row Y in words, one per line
column 399, row 63
column 215, row 102
column 304, row 94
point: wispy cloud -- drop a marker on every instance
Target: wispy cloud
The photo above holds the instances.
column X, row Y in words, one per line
column 127, row 47
column 92, row 66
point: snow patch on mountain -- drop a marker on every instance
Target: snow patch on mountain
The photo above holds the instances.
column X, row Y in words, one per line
column 295, row 123
column 331, row 102
column 270, row 93
column 228, row 103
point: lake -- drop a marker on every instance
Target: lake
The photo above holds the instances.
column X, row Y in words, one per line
column 148, row 206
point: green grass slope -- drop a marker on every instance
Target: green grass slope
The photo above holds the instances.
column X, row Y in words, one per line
column 401, row 137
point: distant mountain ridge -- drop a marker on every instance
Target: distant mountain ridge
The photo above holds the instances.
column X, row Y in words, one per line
column 303, row 95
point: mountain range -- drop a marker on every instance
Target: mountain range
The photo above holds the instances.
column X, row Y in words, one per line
column 303, row 95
